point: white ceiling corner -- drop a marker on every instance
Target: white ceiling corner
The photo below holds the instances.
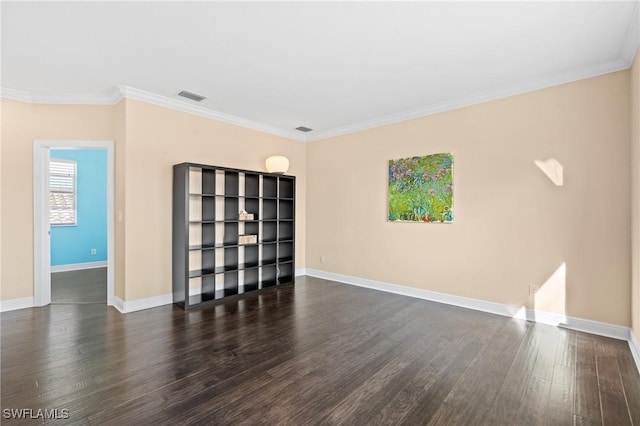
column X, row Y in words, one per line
column 632, row 39
column 337, row 67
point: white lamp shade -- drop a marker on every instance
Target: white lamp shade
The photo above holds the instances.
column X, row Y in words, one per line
column 277, row 164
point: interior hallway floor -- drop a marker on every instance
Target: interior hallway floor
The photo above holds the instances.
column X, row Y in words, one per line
column 83, row 286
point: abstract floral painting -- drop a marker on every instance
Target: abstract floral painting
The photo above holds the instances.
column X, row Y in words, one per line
column 421, row 189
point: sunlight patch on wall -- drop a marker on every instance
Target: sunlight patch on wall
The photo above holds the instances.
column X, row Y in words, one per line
column 551, row 297
column 548, row 303
column 553, row 169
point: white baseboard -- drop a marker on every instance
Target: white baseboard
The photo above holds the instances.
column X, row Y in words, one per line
column 579, row 324
column 126, row 306
column 15, row 304
column 300, row 272
column 595, row 327
column 118, row 304
column 634, row 345
column 79, row 266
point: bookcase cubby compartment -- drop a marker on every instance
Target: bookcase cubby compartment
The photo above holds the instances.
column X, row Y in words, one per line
column 286, row 188
column 231, row 183
column 231, row 208
column 269, row 231
column 269, row 276
column 251, row 185
column 251, row 256
column 230, row 284
column 250, row 280
column 230, row 258
column 204, row 289
column 285, row 210
column 230, row 233
column 210, row 259
column 269, row 186
column 208, row 186
column 202, row 234
column 252, row 205
column 269, row 209
column 285, row 252
column 285, row 230
column 208, row 208
column 269, row 253
column 251, row 228
column 285, row 273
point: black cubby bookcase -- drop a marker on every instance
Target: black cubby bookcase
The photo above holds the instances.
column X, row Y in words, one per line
column 209, row 262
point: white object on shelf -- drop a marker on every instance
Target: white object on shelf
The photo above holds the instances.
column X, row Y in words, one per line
column 245, row 216
column 247, row 239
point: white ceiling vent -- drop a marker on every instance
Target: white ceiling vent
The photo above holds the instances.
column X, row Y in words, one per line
column 192, row 96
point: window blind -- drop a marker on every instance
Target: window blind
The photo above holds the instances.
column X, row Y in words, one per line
column 62, row 192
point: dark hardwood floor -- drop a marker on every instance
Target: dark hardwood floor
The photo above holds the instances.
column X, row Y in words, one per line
column 315, row 353
column 83, row 286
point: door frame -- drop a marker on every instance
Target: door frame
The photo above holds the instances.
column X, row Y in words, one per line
column 41, row 227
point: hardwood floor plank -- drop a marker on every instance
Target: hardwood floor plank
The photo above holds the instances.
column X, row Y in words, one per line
column 583, row 421
column 474, row 394
column 317, row 352
column 613, row 400
column 514, row 388
column 560, row 405
column 631, row 384
column 537, row 396
column 433, row 395
column 82, row 286
column 587, row 396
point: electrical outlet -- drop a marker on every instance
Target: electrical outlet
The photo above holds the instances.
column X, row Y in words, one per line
column 533, row 289
column 323, row 259
column 93, row 252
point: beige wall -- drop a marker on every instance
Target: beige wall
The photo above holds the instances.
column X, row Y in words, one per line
column 157, row 138
column 119, row 129
column 148, row 141
column 635, row 187
column 513, row 227
column 17, row 200
column 21, row 124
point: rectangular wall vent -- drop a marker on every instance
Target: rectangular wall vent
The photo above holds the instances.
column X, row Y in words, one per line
column 304, row 129
column 191, row 95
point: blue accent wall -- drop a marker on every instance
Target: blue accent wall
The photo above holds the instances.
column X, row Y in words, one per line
column 73, row 244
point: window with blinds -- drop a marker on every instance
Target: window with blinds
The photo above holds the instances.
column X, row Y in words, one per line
column 62, row 192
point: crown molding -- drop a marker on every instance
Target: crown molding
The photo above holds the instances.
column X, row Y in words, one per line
column 626, row 58
column 121, row 92
column 474, row 99
column 16, row 95
column 62, row 98
column 73, row 99
column 164, row 101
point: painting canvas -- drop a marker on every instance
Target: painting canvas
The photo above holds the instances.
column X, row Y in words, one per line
column 421, row 189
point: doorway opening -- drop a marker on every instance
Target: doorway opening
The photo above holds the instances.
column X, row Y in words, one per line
column 78, row 219
column 75, row 273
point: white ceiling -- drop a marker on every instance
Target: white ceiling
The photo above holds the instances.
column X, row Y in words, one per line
column 334, row 67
